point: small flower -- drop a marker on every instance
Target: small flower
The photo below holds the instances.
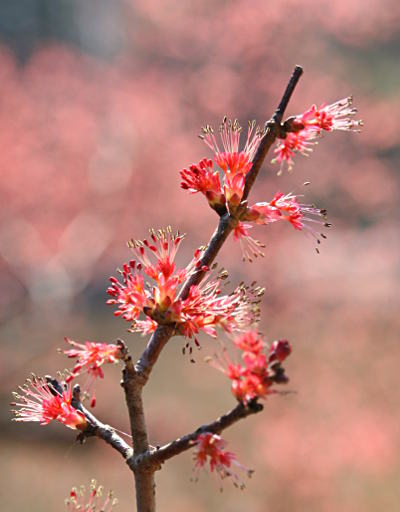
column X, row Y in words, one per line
column 205, row 307
column 279, row 351
column 303, row 217
column 337, row 116
column 202, row 178
column 250, row 342
column 90, row 357
column 41, row 401
column 230, row 159
column 234, row 163
column 250, row 247
column 294, row 142
column 78, row 501
column 253, row 378
column 210, row 448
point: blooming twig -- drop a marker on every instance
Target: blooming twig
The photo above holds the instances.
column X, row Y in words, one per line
column 186, row 442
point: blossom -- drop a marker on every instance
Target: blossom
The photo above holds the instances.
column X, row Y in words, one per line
column 41, row 401
column 337, row 116
column 250, row 246
column 202, row 178
column 303, row 217
column 159, row 301
column 233, row 162
column 229, row 158
column 78, row 501
column 294, row 142
column 311, row 124
column 210, row 448
column 90, row 357
column 254, row 376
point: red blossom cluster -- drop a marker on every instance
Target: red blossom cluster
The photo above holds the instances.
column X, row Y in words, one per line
column 78, row 501
column 254, row 377
column 311, row 124
column 41, row 401
column 210, row 448
column 90, row 357
column 234, row 164
column 159, row 303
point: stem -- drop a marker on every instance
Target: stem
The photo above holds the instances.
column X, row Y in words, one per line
column 216, row 427
column 146, row 462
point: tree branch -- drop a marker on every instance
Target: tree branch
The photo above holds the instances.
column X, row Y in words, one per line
column 186, row 442
column 145, row 462
column 272, row 130
column 225, row 226
column 95, row 427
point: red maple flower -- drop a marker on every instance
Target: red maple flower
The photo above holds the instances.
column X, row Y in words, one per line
column 250, row 247
column 337, row 116
column 303, row 217
column 255, row 375
column 230, row 159
column 41, row 402
column 202, row 178
column 205, row 307
column 234, row 163
column 90, row 357
column 210, row 448
column 77, row 500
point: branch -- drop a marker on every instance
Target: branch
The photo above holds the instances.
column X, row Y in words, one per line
column 97, row 428
column 145, row 462
column 157, row 457
column 272, row 130
column 226, row 224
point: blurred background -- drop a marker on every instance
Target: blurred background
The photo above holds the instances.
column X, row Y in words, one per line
column 100, row 107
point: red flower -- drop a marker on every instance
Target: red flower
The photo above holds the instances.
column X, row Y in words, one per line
column 91, row 356
column 337, row 116
column 205, row 307
column 202, row 178
column 77, row 500
column 210, row 449
column 250, row 247
column 235, row 165
column 255, row 375
column 303, row 217
column 41, row 402
column 230, row 159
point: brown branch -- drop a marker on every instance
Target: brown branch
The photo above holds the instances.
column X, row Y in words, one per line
column 96, row 428
column 226, row 224
column 145, row 462
column 272, row 130
column 160, row 455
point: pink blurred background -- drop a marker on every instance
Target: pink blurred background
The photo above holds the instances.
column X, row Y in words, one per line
column 101, row 103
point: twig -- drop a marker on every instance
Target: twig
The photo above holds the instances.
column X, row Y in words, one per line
column 225, row 226
column 216, row 427
column 96, row 428
column 135, row 378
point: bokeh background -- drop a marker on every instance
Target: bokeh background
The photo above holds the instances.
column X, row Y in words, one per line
column 100, row 106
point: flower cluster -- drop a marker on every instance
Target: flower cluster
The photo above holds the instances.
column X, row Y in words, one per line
column 43, row 402
column 78, row 501
column 159, row 302
column 311, row 124
column 90, row 357
column 255, row 375
column 303, row 217
column 234, row 163
column 210, row 448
